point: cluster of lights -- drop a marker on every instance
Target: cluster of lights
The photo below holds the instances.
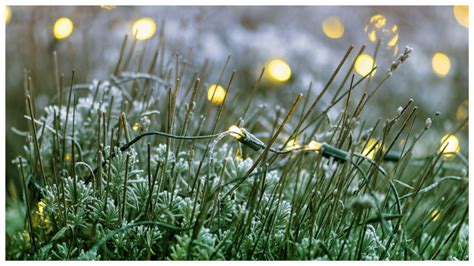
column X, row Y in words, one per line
column 441, row 64
column 326, row 150
column 333, row 27
column 216, row 94
column 63, row 28
column 278, row 70
column 142, row 29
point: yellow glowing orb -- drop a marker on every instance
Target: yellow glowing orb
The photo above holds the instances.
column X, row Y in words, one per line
column 462, row 111
column 378, row 21
column 364, row 65
column 136, row 126
column 68, row 156
column 314, row 145
column 461, row 13
column 452, row 145
column 236, row 132
column 371, row 148
column 435, row 215
column 62, row 28
column 216, row 94
column 278, row 70
column 333, row 27
column 8, row 14
column 441, row 64
column 144, row 28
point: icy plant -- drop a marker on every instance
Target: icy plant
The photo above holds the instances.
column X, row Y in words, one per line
column 142, row 167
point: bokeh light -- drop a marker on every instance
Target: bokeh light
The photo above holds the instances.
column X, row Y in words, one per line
column 452, row 145
column 441, row 64
column 63, row 27
column 364, row 64
column 278, row 70
column 68, row 156
column 144, row 28
column 378, row 21
column 463, row 111
column 136, row 126
column 216, row 94
column 333, row 27
column 379, row 29
column 8, row 14
column 393, row 41
column 461, row 13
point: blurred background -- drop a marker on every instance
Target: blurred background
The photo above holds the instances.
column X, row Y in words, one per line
column 298, row 45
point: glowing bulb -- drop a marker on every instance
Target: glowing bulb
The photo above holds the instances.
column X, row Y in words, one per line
column 144, row 28
column 236, row 132
column 364, row 65
column 8, row 14
column 68, row 156
column 136, row 126
column 461, row 13
column 62, row 28
column 371, row 148
column 441, row 64
column 314, row 145
column 216, row 94
column 292, row 144
column 452, row 145
column 435, row 215
column 333, row 28
column 278, row 70
column 462, row 111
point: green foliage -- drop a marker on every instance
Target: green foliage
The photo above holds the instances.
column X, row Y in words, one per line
column 196, row 199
